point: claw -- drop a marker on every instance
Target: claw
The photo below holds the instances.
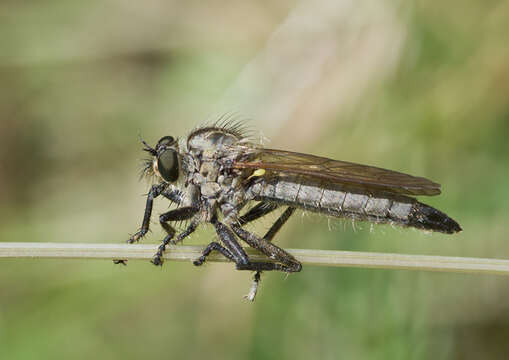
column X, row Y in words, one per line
column 136, row 237
column 199, row 261
column 157, row 261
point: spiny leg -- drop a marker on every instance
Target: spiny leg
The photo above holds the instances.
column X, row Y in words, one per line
column 279, row 224
column 288, row 262
column 241, row 260
column 210, row 247
column 238, row 255
column 261, row 209
column 183, row 213
column 174, row 195
column 233, row 250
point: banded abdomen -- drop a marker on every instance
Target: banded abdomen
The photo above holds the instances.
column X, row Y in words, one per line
column 334, row 200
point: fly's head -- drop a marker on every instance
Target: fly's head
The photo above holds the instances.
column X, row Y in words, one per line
column 164, row 161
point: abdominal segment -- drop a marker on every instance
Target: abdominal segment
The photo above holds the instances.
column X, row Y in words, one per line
column 335, row 200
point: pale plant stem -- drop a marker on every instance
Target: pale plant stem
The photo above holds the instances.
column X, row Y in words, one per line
column 306, row 256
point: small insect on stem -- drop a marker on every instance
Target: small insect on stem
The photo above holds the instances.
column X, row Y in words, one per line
column 254, row 287
column 217, row 171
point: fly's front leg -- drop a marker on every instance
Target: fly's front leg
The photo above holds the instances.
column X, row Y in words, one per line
column 174, row 196
column 154, row 192
column 183, row 213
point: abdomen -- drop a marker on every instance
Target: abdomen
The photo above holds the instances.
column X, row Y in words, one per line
column 333, row 200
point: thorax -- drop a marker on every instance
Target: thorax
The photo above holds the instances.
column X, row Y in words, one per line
column 208, row 157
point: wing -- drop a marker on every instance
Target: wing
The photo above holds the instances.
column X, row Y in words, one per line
column 369, row 178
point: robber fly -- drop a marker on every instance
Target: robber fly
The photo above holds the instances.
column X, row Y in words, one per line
column 216, row 171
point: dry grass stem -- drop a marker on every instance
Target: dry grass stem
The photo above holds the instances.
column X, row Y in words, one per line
column 306, row 256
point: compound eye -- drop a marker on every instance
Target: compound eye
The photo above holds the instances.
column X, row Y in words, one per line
column 168, row 166
column 165, row 141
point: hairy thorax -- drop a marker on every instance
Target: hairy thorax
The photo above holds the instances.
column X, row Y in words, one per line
column 208, row 168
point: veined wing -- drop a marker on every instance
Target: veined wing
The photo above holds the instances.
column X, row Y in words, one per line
column 369, row 178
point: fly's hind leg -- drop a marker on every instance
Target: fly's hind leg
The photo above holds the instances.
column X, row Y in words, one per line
column 261, row 209
column 279, row 223
column 288, row 262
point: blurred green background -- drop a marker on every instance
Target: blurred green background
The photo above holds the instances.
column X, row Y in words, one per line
column 421, row 87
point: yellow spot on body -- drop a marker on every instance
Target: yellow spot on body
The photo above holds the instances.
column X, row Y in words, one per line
column 257, row 173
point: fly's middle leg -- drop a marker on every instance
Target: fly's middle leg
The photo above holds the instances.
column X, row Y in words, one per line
column 179, row 214
column 210, row 247
column 236, row 253
column 231, row 249
column 255, row 213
